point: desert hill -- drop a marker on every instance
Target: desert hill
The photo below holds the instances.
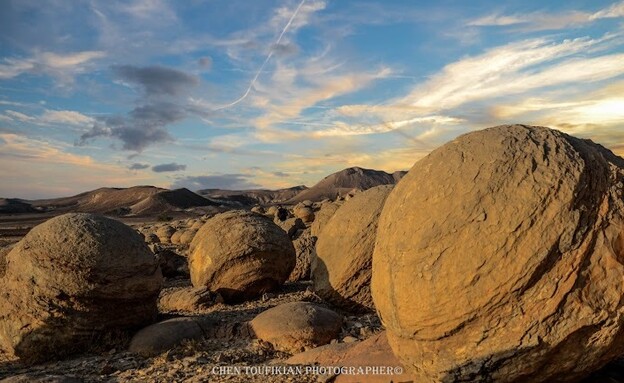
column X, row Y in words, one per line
column 344, row 181
column 137, row 200
column 15, row 206
column 252, row 197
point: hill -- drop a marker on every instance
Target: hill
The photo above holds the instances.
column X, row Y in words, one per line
column 137, row 200
column 252, row 197
column 344, row 181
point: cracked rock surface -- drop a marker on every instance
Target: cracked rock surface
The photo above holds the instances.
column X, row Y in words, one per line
column 341, row 270
column 500, row 257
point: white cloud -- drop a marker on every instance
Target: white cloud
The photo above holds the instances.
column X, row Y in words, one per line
column 42, row 168
column 69, row 117
column 513, row 68
column 537, row 21
column 345, row 129
column 19, row 116
column 61, row 66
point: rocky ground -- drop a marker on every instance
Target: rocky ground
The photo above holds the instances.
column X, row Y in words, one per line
column 213, row 360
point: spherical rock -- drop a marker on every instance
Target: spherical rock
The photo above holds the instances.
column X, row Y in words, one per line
column 304, row 212
column 304, row 250
column 321, row 217
column 187, row 237
column 291, row 327
column 500, row 257
column 197, row 225
column 71, row 279
column 271, row 211
column 175, row 237
column 341, row 270
column 162, row 336
column 187, row 299
column 164, row 233
column 291, row 226
column 241, row 255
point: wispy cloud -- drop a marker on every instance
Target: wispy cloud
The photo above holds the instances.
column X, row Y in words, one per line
column 513, row 68
column 277, row 20
column 538, row 21
column 42, row 168
column 63, row 67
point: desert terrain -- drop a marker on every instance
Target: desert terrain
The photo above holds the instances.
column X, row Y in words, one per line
column 298, row 285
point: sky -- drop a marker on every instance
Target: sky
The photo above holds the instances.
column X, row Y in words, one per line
column 275, row 93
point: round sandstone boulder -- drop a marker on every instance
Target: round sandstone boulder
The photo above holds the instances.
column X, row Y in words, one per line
column 71, row 279
column 322, row 216
column 175, row 237
column 500, row 258
column 241, row 255
column 341, row 270
column 305, row 213
column 187, row 237
column 294, row 326
column 164, row 233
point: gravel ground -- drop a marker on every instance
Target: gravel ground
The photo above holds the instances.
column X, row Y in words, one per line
column 228, row 359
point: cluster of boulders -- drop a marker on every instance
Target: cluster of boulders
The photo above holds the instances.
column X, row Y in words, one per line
column 179, row 232
column 498, row 257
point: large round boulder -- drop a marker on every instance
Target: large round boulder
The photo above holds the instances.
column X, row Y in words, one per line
column 500, row 258
column 294, row 326
column 326, row 211
column 241, row 255
column 341, row 270
column 305, row 213
column 70, row 280
column 187, row 237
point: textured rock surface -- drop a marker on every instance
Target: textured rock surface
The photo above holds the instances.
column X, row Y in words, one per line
column 373, row 352
column 171, row 263
column 175, row 237
column 163, row 336
column 499, row 257
column 241, row 255
column 72, row 278
column 291, row 226
column 305, row 213
column 187, row 299
column 291, row 327
column 187, row 236
column 341, row 270
column 304, row 251
column 164, row 233
column 3, row 253
column 326, row 211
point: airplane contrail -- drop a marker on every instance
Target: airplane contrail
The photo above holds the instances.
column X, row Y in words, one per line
column 255, row 78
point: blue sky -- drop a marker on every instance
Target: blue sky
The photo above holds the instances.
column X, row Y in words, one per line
column 245, row 94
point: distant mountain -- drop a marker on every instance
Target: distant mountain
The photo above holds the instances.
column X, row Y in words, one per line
column 15, row 206
column 252, row 197
column 345, row 181
column 137, row 200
